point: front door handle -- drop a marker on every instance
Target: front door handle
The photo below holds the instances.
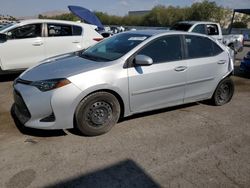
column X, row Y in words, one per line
column 180, row 68
column 76, row 42
column 220, row 62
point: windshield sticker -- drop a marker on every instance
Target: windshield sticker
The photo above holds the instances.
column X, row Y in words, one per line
column 137, row 38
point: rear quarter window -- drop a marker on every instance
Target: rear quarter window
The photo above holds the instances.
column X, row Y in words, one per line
column 217, row 49
column 77, row 30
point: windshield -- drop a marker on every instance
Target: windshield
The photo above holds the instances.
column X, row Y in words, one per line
column 181, row 27
column 113, row 48
column 5, row 26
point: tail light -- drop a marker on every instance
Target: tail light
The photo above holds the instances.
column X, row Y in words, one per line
column 97, row 39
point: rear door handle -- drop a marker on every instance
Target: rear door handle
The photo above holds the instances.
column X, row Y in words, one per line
column 37, row 43
column 76, row 42
column 220, row 62
column 180, row 68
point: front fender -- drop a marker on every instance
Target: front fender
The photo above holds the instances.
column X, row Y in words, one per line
column 109, row 88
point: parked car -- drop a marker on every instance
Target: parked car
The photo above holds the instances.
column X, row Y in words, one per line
column 128, row 73
column 245, row 63
column 235, row 42
column 25, row 44
column 106, row 34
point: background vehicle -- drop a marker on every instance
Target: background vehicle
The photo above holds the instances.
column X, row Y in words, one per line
column 125, row 74
column 25, row 44
column 245, row 63
column 235, row 42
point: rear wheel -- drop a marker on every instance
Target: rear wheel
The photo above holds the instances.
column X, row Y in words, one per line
column 224, row 92
column 97, row 113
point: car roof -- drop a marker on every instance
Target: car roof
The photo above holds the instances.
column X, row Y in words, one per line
column 30, row 21
column 162, row 32
column 196, row 22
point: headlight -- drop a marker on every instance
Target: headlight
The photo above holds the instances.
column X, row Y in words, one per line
column 47, row 85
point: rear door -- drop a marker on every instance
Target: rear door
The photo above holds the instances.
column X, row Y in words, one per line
column 206, row 63
column 161, row 84
column 24, row 47
column 62, row 38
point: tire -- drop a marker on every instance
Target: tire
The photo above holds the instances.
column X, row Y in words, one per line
column 97, row 113
column 224, row 92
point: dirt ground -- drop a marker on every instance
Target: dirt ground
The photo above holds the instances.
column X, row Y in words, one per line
column 194, row 145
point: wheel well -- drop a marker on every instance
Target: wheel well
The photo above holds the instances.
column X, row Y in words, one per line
column 118, row 97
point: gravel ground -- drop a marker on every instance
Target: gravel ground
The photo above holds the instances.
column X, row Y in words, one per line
column 194, row 145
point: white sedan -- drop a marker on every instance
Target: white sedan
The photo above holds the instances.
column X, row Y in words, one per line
column 128, row 73
column 28, row 42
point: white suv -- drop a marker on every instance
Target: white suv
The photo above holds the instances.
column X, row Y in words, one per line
column 27, row 43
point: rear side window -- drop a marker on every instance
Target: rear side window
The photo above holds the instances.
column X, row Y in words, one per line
column 77, row 30
column 181, row 27
column 198, row 47
column 26, row 31
column 212, row 29
column 59, row 30
column 164, row 49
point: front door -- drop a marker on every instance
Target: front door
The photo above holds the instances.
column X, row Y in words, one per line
column 161, row 84
column 24, row 47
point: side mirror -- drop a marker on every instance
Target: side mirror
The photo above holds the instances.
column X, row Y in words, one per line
column 143, row 60
column 3, row 37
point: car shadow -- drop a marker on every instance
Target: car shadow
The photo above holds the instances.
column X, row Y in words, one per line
column 154, row 112
column 35, row 132
column 126, row 173
column 9, row 77
column 239, row 73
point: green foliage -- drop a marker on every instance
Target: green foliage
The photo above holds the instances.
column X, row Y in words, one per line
column 163, row 16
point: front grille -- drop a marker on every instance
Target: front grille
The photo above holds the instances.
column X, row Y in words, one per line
column 21, row 109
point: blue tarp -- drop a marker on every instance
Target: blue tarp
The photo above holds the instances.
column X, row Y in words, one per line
column 86, row 15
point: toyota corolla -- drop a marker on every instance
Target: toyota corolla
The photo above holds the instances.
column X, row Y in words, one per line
column 129, row 73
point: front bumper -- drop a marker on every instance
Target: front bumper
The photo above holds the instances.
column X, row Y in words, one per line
column 32, row 106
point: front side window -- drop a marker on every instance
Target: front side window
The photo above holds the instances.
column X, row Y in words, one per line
column 59, row 30
column 199, row 47
column 164, row 49
column 114, row 47
column 199, row 29
column 26, row 31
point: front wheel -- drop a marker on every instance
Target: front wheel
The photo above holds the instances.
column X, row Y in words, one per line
column 224, row 92
column 97, row 113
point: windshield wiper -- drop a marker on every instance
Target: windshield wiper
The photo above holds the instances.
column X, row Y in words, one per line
column 94, row 58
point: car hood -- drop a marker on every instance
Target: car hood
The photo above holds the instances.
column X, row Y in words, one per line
column 62, row 67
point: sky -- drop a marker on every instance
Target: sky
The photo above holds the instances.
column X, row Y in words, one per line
column 20, row 8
